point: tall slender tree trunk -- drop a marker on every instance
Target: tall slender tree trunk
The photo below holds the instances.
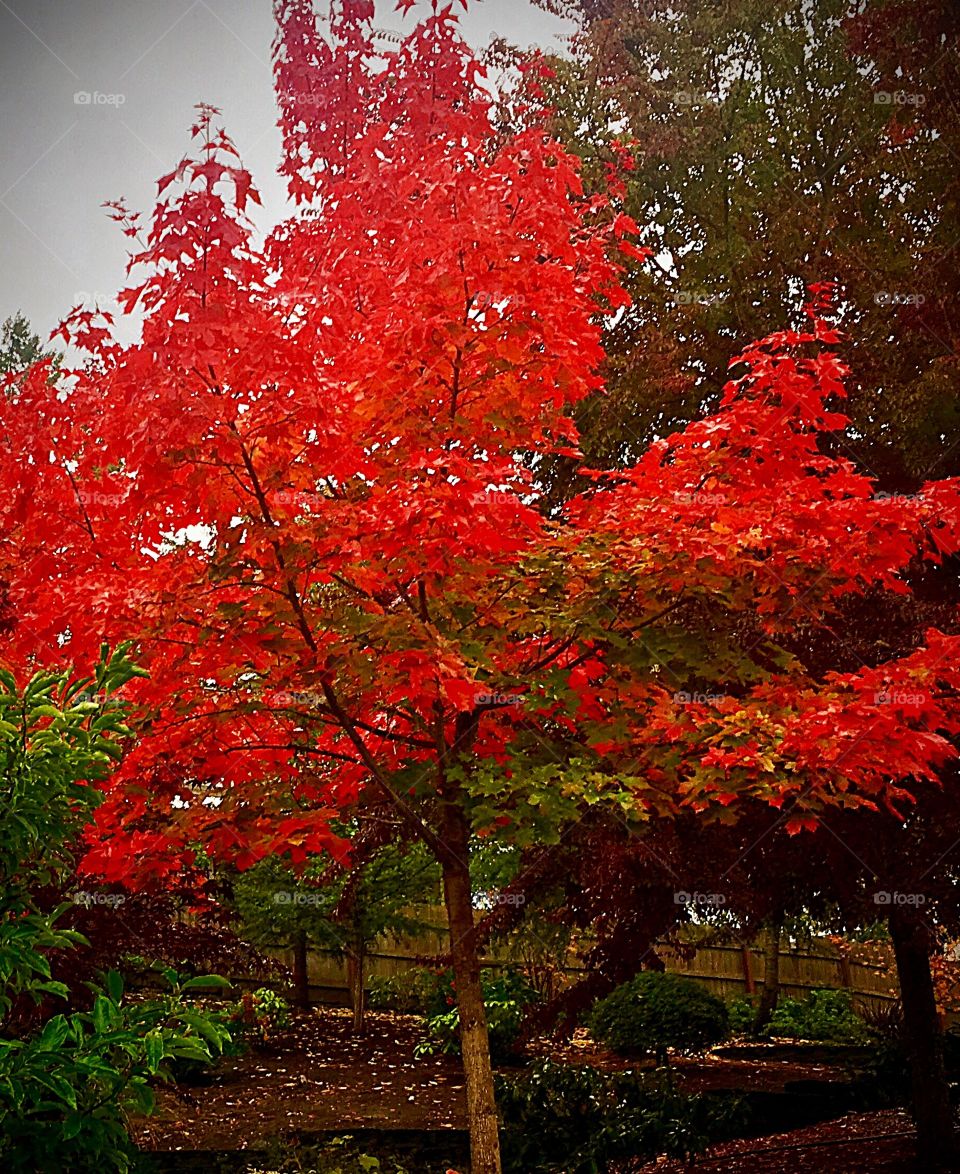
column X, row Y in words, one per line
column 932, row 1114
column 474, row 1040
column 356, row 959
column 301, row 985
column 770, row 995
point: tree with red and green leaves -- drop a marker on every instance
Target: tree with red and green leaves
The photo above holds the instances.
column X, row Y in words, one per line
column 309, row 492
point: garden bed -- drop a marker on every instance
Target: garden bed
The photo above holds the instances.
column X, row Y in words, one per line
column 320, row 1080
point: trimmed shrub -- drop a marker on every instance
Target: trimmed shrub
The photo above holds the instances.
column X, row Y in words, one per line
column 654, row 1012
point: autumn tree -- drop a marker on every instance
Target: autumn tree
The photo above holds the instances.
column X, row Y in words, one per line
column 309, row 491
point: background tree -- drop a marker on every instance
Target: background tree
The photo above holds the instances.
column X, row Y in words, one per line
column 336, row 910
column 777, row 144
column 20, row 348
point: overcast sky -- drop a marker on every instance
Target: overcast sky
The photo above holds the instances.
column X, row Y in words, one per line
column 142, row 64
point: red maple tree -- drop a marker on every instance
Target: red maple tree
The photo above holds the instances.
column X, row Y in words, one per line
column 309, row 492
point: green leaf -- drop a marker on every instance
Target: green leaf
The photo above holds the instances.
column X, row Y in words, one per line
column 61, row 1088
column 54, row 1033
column 201, row 981
column 155, row 1050
column 114, row 981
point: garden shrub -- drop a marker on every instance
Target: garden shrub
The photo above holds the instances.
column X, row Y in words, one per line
column 64, row 1091
column 412, row 992
column 826, row 1015
column 577, row 1119
column 654, row 1011
column 740, row 1016
column 506, row 997
column 66, row 1080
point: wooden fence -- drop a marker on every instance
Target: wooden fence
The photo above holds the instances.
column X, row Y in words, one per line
column 727, row 970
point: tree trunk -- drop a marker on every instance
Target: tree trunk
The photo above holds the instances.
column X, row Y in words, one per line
column 932, row 1115
column 301, row 987
column 770, row 995
column 355, row 974
column 474, row 1041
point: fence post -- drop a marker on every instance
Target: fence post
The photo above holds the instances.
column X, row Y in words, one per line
column 747, row 971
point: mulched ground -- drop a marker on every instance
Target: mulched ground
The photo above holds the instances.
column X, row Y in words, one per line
column 854, row 1144
column 698, row 1075
column 321, row 1078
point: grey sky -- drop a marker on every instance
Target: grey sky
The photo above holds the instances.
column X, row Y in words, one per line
column 144, row 64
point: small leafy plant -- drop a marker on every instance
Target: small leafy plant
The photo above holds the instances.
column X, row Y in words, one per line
column 261, row 1016
column 65, row 1090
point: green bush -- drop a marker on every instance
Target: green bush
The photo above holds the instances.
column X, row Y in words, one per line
column 653, row 1012
column 412, row 992
column 740, row 1016
column 826, row 1016
column 67, row 1081
column 64, row 1091
column 506, row 997
column 577, row 1119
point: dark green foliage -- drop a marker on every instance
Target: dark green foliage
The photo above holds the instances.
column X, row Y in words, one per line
column 340, row 911
column 506, row 996
column 825, row 1015
column 740, row 1016
column 412, row 992
column 576, row 1119
column 64, row 1090
column 653, row 1012
column 67, row 1079
column 21, row 347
